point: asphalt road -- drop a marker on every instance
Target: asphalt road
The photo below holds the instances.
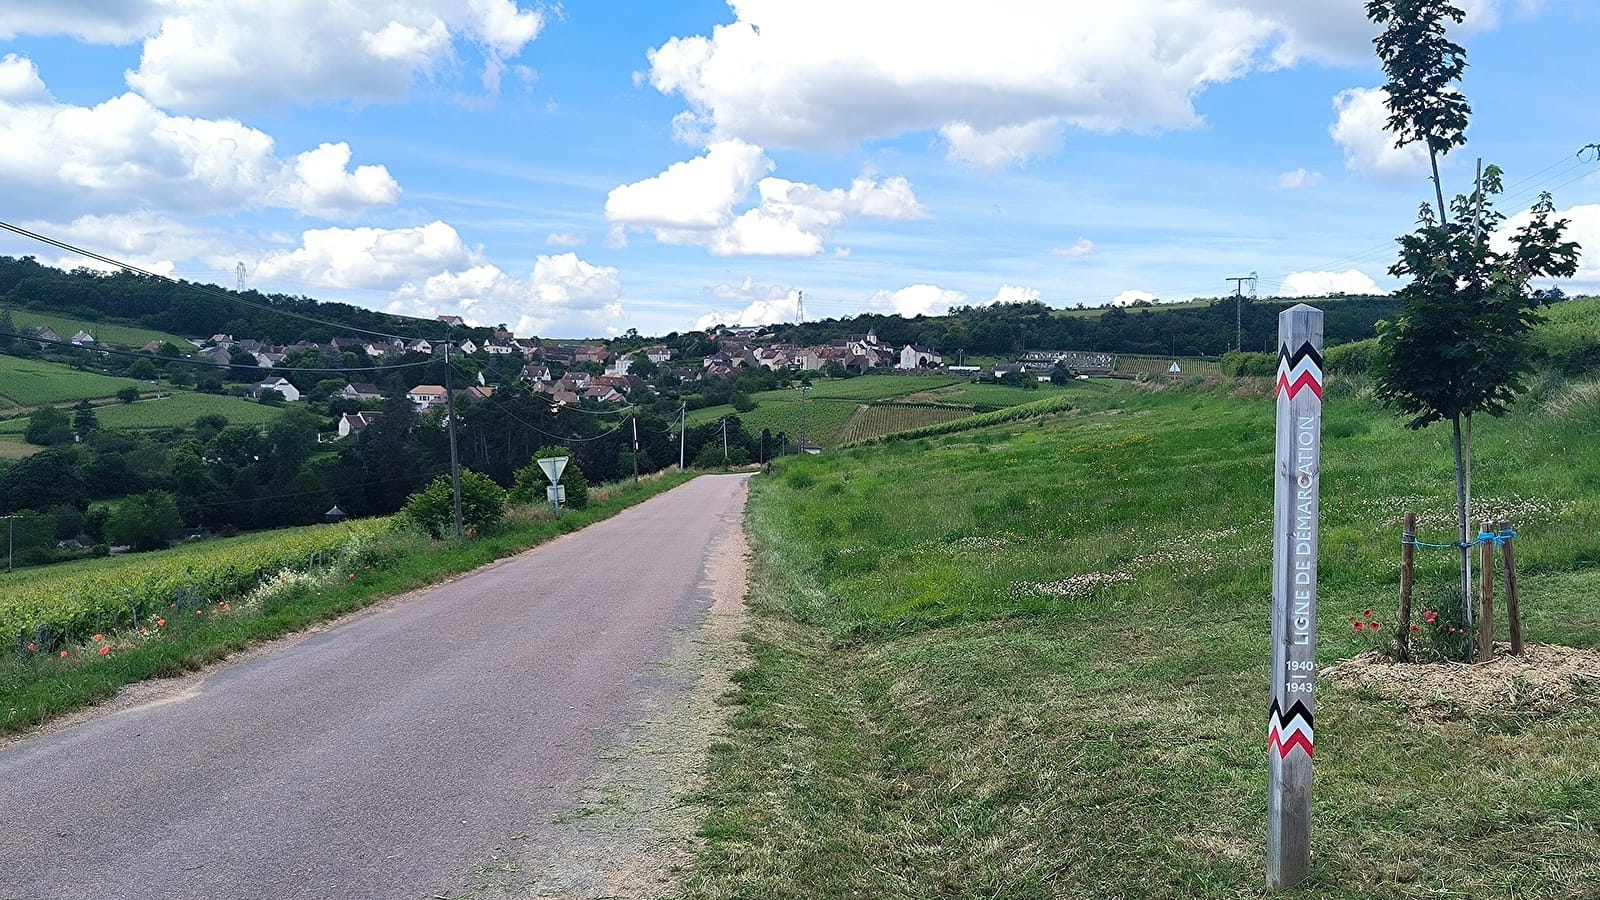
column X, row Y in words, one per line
column 386, row 757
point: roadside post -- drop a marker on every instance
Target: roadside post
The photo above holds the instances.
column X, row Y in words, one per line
column 1297, row 482
column 556, row 493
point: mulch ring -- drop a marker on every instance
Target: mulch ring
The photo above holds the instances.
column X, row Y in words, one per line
column 1546, row 679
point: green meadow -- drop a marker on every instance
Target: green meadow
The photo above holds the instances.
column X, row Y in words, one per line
column 32, row 382
column 1032, row 660
column 104, row 332
column 176, row 409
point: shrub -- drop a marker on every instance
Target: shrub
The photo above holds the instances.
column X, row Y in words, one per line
column 483, row 504
column 1357, row 358
column 1257, row 365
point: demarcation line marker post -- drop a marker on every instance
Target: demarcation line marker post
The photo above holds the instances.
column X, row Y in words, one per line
column 1297, row 482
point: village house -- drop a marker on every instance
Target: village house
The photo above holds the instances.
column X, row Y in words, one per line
column 535, row 373
column 419, row 346
column 424, row 396
column 352, row 423
column 451, row 320
column 593, row 354
column 499, row 347
column 291, row 394
column 561, row 356
column 82, row 339
column 362, row 392
column 913, row 356
column 658, row 355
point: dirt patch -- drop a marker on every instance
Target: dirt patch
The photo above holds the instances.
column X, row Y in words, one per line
column 1545, row 680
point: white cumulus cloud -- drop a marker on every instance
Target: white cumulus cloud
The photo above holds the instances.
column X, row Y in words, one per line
column 1010, row 293
column 696, row 193
column 1583, row 226
column 1299, row 178
column 231, row 56
column 1321, row 284
column 1003, row 146
column 1130, row 297
column 125, row 155
column 1368, row 147
column 563, row 239
column 563, row 296
column 998, row 83
column 370, row 258
column 694, row 203
column 20, row 81
column 1082, row 247
column 917, row 300
column 764, row 304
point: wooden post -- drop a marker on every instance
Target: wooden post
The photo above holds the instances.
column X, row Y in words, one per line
column 1408, row 560
column 1485, row 596
column 1297, row 482
column 1513, row 610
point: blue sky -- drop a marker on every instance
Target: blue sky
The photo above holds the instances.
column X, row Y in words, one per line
column 582, row 169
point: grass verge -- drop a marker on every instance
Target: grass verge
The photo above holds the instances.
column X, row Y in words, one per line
column 36, row 686
column 1031, row 660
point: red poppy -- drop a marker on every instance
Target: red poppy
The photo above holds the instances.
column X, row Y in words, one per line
column 30, row 646
column 1359, row 626
column 161, row 623
column 63, row 654
column 1416, row 629
column 97, row 638
column 104, row 650
column 1368, row 614
column 1375, row 625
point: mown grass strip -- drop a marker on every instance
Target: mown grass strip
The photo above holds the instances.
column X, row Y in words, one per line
column 36, row 686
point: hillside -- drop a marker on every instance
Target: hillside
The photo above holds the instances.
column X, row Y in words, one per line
column 1032, row 660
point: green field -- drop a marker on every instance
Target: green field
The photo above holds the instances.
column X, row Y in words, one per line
column 825, row 419
column 1032, row 661
column 104, row 332
column 865, row 387
column 987, row 396
column 880, row 419
column 176, row 410
column 1160, row 366
column 31, row 382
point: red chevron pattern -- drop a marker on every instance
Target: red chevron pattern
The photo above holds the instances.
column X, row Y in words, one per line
column 1286, row 732
column 1307, row 380
column 1299, row 371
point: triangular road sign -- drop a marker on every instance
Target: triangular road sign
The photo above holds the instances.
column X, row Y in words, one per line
column 552, row 466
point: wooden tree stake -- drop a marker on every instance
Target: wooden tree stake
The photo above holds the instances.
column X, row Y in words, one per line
column 1486, row 597
column 1513, row 610
column 1408, row 558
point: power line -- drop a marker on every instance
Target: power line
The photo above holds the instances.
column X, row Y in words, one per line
column 129, row 267
column 191, row 361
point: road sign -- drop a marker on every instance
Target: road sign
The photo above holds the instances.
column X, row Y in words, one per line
column 553, row 466
column 556, row 494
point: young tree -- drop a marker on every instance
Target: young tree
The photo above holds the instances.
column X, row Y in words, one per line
column 83, row 419
column 1422, row 65
column 1461, row 341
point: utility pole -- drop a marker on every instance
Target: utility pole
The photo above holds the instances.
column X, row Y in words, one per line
column 1238, row 306
column 450, row 415
column 800, row 305
column 635, row 421
column 683, row 418
column 804, row 391
column 724, row 441
column 9, row 526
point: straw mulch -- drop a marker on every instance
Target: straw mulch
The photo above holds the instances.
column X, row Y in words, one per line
column 1546, row 679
